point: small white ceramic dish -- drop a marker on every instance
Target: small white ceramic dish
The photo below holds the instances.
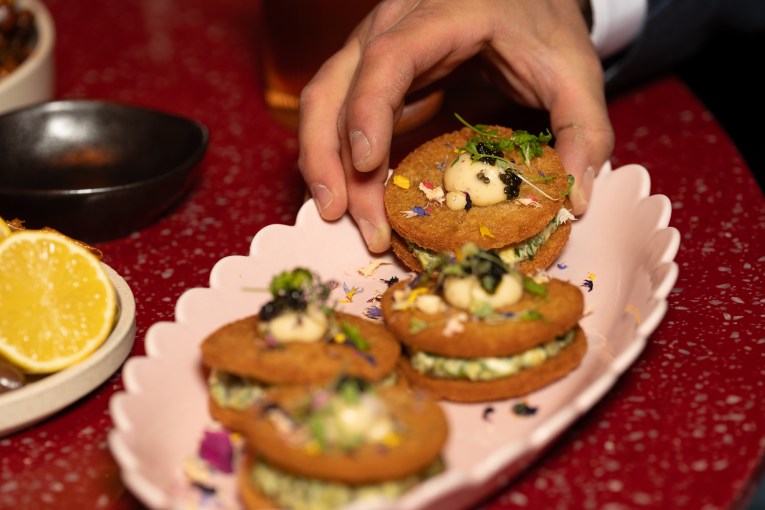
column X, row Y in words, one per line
column 37, row 400
column 34, row 80
column 622, row 248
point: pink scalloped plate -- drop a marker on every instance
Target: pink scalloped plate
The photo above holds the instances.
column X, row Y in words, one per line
column 622, row 248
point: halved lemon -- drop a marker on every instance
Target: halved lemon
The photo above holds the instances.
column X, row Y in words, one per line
column 57, row 304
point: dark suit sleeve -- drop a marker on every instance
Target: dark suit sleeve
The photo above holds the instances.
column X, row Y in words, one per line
column 674, row 30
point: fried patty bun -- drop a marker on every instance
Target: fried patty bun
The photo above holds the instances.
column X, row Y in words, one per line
column 327, row 447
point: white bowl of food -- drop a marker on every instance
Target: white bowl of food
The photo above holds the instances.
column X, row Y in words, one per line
column 27, row 73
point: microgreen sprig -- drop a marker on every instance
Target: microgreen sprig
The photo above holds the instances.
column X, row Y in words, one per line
column 472, row 260
column 530, row 146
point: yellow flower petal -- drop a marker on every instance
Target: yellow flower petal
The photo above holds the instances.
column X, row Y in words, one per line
column 401, row 181
column 416, row 293
column 391, row 440
column 485, row 232
column 312, row 448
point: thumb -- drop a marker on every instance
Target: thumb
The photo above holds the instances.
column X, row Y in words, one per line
column 584, row 148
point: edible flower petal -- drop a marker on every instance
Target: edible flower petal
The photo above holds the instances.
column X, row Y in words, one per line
column 401, row 181
column 433, row 193
column 373, row 312
column 415, row 211
column 372, row 267
column 350, row 292
column 216, row 450
column 528, row 201
column 455, row 324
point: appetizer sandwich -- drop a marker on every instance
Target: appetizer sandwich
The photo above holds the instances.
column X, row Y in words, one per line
column 476, row 329
column 329, row 446
column 502, row 190
column 296, row 338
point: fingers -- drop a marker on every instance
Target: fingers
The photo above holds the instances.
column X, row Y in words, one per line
column 320, row 147
column 365, row 192
column 331, row 178
column 418, row 49
column 365, row 204
column 584, row 137
column 551, row 64
column 326, row 160
column 394, row 53
column 582, row 158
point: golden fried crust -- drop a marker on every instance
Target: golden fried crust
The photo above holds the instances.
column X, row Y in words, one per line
column 404, row 254
column 230, row 418
column 252, row 498
column 561, row 308
column 236, row 348
column 522, row 383
column 421, row 443
column 447, row 230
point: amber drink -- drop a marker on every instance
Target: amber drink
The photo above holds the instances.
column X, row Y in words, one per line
column 298, row 36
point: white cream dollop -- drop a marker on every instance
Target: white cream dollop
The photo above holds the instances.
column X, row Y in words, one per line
column 430, row 303
column 367, row 418
column 462, row 177
column 292, row 326
column 466, row 293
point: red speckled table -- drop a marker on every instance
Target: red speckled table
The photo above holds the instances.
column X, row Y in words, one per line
column 683, row 428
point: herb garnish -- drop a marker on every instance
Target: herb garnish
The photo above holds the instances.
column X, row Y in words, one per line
column 353, row 336
column 533, row 287
column 530, row 146
column 486, row 266
column 287, row 281
column 488, row 146
column 294, row 290
column 417, row 325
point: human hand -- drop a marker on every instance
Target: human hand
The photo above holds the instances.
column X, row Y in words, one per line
column 541, row 50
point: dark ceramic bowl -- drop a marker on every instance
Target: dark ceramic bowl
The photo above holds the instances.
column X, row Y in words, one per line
column 95, row 170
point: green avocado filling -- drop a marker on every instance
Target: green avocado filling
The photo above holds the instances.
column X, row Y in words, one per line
column 236, row 392
column 529, row 248
column 300, row 493
column 489, row 369
column 232, row 391
column 512, row 255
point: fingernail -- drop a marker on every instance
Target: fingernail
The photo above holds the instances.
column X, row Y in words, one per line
column 372, row 235
column 322, row 196
column 588, row 179
column 360, row 147
column 580, row 194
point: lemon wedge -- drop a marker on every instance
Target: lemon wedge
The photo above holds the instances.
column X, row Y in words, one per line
column 57, row 304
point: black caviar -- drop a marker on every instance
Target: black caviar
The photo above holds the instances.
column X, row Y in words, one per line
column 482, row 148
column 488, row 268
column 512, row 183
column 294, row 300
